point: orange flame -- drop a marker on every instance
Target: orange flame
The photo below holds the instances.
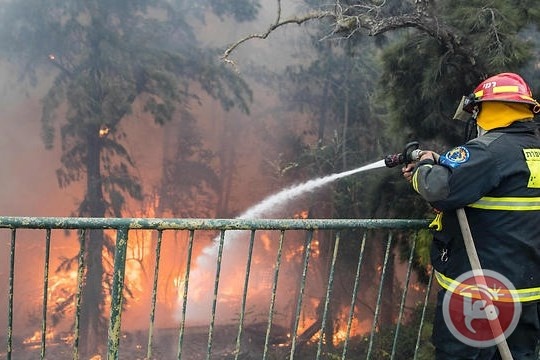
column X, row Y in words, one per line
column 103, row 131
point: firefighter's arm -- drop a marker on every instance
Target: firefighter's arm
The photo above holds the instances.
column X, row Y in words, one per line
column 458, row 178
column 430, row 180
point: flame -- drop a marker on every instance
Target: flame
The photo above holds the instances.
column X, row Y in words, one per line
column 103, row 131
column 294, row 253
column 267, row 243
column 339, row 336
column 315, row 249
column 140, row 259
column 62, row 284
column 179, row 284
column 68, row 338
column 340, row 333
column 297, row 252
column 36, row 338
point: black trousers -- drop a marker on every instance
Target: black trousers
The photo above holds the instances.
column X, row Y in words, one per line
column 523, row 341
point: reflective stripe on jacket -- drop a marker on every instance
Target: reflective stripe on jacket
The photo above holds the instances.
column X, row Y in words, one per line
column 507, row 203
column 517, row 295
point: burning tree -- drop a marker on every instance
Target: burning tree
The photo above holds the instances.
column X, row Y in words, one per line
column 107, row 57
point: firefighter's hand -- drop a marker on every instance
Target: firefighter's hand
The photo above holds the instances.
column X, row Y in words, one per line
column 428, row 154
column 407, row 171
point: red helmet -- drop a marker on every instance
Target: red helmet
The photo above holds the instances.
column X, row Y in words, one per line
column 507, row 87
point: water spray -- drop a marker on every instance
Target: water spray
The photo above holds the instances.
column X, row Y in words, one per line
column 410, row 154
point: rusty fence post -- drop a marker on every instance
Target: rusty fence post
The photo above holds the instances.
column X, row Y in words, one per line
column 117, row 293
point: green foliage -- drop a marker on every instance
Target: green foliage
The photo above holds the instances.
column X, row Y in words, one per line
column 489, row 39
column 423, row 244
column 493, row 29
column 406, row 342
column 422, row 88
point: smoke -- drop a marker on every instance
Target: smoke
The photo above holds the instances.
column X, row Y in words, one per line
column 29, row 185
column 28, row 181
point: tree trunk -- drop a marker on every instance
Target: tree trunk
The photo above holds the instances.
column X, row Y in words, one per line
column 344, row 147
column 322, row 113
column 229, row 133
column 93, row 330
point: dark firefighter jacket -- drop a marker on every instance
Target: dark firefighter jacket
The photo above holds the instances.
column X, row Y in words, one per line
column 496, row 179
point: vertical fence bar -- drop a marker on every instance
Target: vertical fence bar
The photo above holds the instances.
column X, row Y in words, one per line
column 11, row 290
column 307, row 253
column 404, row 297
column 354, row 295
column 244, row 295
column 216, row 288
column 80, row 280
column 328, row 294
column 117, row 295
column 273, row 296
column 45, row 293
column 426, row 300
column 379, row 296
column 185, row 294
column 154, row 296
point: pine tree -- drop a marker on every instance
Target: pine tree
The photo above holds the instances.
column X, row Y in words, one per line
column 106, row 57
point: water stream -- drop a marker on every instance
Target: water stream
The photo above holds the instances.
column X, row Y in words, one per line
column 274, row 202
column 232, row 262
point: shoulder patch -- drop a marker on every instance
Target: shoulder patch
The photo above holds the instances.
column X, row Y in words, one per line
column 455, row 157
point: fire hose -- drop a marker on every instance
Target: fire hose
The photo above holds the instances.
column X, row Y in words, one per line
column 412, row 153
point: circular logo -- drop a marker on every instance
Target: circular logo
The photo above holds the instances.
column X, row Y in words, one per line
column 480, row 308
column 458, row 155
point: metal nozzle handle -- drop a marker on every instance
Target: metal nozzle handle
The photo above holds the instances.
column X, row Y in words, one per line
column 410, row 154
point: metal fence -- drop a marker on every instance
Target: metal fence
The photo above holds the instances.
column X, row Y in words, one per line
column 323, row 289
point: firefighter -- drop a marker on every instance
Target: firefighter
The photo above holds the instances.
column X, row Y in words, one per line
column 495, row 177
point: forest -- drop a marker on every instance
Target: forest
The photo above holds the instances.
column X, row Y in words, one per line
column 199, row 109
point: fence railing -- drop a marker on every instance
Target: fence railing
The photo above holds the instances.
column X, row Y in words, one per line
column 213, row 288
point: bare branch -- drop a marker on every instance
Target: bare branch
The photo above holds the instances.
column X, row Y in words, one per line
column 278, row 23
column 373, row 22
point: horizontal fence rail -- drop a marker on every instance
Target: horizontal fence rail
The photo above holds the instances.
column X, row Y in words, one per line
column 206, row 224
column 241, row 289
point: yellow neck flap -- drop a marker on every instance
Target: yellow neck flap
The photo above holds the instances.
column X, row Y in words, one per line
column 495, row 114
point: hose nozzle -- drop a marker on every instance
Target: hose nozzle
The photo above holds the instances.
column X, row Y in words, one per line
column 410, row 154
